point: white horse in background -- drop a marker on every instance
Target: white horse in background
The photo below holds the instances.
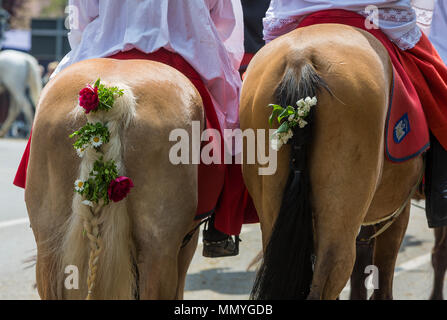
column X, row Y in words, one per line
column 19, row 71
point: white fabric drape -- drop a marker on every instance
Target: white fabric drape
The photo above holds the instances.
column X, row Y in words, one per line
column 206, row 33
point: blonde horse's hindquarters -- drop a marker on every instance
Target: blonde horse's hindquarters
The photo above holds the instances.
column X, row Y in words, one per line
column 148, row 228
column 346, row 159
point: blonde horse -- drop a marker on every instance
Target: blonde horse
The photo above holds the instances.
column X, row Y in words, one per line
column 139, row 239
column 333, row 176
column 19, row 71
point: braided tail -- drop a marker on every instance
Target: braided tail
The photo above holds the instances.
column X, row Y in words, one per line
column 107, row 260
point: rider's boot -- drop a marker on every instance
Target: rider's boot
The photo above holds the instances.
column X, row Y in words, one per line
column 218, row 244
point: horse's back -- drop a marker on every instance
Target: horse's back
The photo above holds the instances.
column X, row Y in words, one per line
column 346, row 57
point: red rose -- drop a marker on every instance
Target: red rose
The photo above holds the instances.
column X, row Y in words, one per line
column 88, row 98
column 119, row 188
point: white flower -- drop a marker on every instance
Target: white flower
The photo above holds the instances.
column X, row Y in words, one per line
column 286, row 136
column 301, row 112
column 87, row 203
column 276, row 142
column 79, row 185
column 314, row 101
column 291, row 117
column 308, row 100
column 96, row 141
column 300, row 103
column 80, row 152
column 302, row 123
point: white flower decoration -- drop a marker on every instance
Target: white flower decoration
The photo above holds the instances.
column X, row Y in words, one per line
column 87, row 203
column 276, row 144
column 96, row 141
column 79, row 185
column 80, row 152
column 302, row 123
column 300, row 103
column 277, row 140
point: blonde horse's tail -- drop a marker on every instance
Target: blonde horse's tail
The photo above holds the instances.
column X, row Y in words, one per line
column 97, row 240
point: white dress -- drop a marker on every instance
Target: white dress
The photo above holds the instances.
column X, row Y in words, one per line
column 396, row 18
column 206, row 33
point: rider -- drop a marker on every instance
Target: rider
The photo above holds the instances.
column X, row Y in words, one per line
column 203, row 35
column 428, row 74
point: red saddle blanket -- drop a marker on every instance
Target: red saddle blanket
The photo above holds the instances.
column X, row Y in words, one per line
column 406, row 131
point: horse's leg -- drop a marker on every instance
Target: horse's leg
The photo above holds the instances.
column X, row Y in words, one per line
column 184, row 260
column 439, row 262
column 158, row 234
column 163, row 210
column 13, row 113
column 364, row 257
column 385, row 254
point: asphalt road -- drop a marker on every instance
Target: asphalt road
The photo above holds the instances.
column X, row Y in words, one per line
column 223, row 278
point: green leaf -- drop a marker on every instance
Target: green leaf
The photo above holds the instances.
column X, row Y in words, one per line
column 97, row 83
column 283, row 128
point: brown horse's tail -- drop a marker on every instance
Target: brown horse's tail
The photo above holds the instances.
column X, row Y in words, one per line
column 97, row 240
column 287, row 268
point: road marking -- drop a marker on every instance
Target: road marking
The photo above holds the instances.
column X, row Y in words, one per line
column 404, row 267
column 412, row 264
column 12, row 223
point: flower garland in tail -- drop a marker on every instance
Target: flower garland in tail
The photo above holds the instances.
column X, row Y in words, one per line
column 103, row 183
column 294, row 117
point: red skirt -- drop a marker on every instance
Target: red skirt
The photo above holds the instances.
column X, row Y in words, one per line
column 422, row 64
column 221, row 187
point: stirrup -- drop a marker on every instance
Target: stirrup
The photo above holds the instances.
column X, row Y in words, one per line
column 222, row 248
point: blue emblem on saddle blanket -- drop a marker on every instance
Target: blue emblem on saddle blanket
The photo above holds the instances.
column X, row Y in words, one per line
column 401, row 129
column 407, row 134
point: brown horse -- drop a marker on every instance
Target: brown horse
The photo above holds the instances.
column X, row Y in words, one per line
column 333, row 176
column 140, row 238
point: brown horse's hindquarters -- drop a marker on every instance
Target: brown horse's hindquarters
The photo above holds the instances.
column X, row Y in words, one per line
column 165, row 100
column 346, row 158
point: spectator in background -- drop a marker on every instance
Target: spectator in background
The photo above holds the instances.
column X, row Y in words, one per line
column 254, row 12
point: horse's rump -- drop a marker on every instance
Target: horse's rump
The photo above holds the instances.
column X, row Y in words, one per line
column 164, row 100
column 345, row 157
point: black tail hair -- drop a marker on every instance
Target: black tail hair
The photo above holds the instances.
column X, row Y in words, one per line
column 287, row 268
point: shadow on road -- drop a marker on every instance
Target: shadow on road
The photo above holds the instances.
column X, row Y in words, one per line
column 411, row 241
column 221, row 281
